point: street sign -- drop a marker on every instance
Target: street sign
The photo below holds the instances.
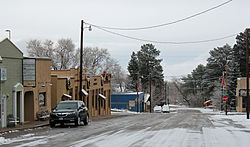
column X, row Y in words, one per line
column 224, row 98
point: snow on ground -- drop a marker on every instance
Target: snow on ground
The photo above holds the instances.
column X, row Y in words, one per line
column 34, row 140
column 228, row 130
column 122, row 112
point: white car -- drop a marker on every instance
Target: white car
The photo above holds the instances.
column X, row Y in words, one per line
column 165, row 109
column 157, row 109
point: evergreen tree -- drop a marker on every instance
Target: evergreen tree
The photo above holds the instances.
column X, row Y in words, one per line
column 216, row 65
column 193, row 85
column 133, row 67
column 237, row 68
column 145, row 62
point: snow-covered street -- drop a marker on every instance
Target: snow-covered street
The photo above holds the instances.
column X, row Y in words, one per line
column 185, row 127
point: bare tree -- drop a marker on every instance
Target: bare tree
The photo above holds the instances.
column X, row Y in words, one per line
column 118, row 75
column 49, row 51
column 217, row 94
column 64, row 51
column 35, row 48
column 93, row 59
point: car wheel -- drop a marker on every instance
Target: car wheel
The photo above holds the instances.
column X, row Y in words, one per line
column 52, row 125
column 86, row 121
column 78, row 121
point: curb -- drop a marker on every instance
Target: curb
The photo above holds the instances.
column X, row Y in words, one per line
column 21, row 129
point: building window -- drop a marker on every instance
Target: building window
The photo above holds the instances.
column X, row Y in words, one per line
column 42, row 99
column 101, row 102
column 96, row 98
column 71, row 91
column 93, row 98
column 244, row 101
column 109, row 99
column 105, row 100
column 76, row 91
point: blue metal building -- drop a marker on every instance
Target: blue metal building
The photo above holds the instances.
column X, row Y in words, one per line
column 128, row 101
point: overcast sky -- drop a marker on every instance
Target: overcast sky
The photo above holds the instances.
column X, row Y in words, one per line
column 56, row 19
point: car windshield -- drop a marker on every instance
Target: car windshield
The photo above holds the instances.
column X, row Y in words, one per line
column 70, row 105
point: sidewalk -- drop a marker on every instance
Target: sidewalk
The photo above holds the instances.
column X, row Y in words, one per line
column 26, row 125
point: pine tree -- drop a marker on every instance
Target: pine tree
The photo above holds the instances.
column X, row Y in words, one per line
column 215, row 67
column 237, row 68
column 133, row 67
column 145, row 62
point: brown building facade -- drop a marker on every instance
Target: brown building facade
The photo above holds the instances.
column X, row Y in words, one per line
column 96, row 90
column 37, row 87
column 241, row 95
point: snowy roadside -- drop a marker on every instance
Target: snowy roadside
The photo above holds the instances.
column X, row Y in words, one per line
column 122, row 112
column 219, row 116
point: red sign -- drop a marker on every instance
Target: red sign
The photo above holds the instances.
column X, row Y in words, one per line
column 224, row 98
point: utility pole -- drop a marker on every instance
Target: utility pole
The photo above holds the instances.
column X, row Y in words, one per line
column 166, row 93
column 81, row 52
column 137, row 90
column 247, row 72
column 226, row 86
column 150, row 93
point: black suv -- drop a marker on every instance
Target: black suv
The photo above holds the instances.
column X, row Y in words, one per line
column 69, row 112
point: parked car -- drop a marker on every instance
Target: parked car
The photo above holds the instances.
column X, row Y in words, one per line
column 157, row 109
column 165, row 109
column 69, row 112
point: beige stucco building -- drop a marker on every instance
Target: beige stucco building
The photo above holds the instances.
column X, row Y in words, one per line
column 241, row 95
column 96, row 90
column 37, row 86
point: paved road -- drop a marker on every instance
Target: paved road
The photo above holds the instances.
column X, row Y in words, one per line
column 182, row 128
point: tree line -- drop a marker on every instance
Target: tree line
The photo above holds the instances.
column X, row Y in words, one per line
column 205, row 81
column 64, row 55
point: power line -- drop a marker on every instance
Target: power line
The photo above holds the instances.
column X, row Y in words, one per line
column 164, row 24
column 166, row 42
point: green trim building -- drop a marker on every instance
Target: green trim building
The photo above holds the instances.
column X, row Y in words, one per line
column 11, row 88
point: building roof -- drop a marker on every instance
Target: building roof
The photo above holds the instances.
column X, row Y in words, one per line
column 39, row 58
column 146, row 97
column 12, row 44
column 129, row 93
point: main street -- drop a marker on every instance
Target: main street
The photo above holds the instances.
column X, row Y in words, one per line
column 184, row 127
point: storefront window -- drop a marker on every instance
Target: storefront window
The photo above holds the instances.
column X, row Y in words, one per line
column 244, row 102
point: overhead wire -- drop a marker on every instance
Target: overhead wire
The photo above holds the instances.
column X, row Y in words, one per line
column 166, row 42
column 164, row 24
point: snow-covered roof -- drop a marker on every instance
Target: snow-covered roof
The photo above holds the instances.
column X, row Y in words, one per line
column 208, row 101
column 146, row 97
column 66, row 95
column 85, row 92
column 102, row 96
column 132, row 93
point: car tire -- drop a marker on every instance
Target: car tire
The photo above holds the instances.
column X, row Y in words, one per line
column 78, row 121
column 52, row 125
column 86, row 121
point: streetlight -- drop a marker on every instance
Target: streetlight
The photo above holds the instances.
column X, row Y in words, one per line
column 81, row 50
column 9, row 33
